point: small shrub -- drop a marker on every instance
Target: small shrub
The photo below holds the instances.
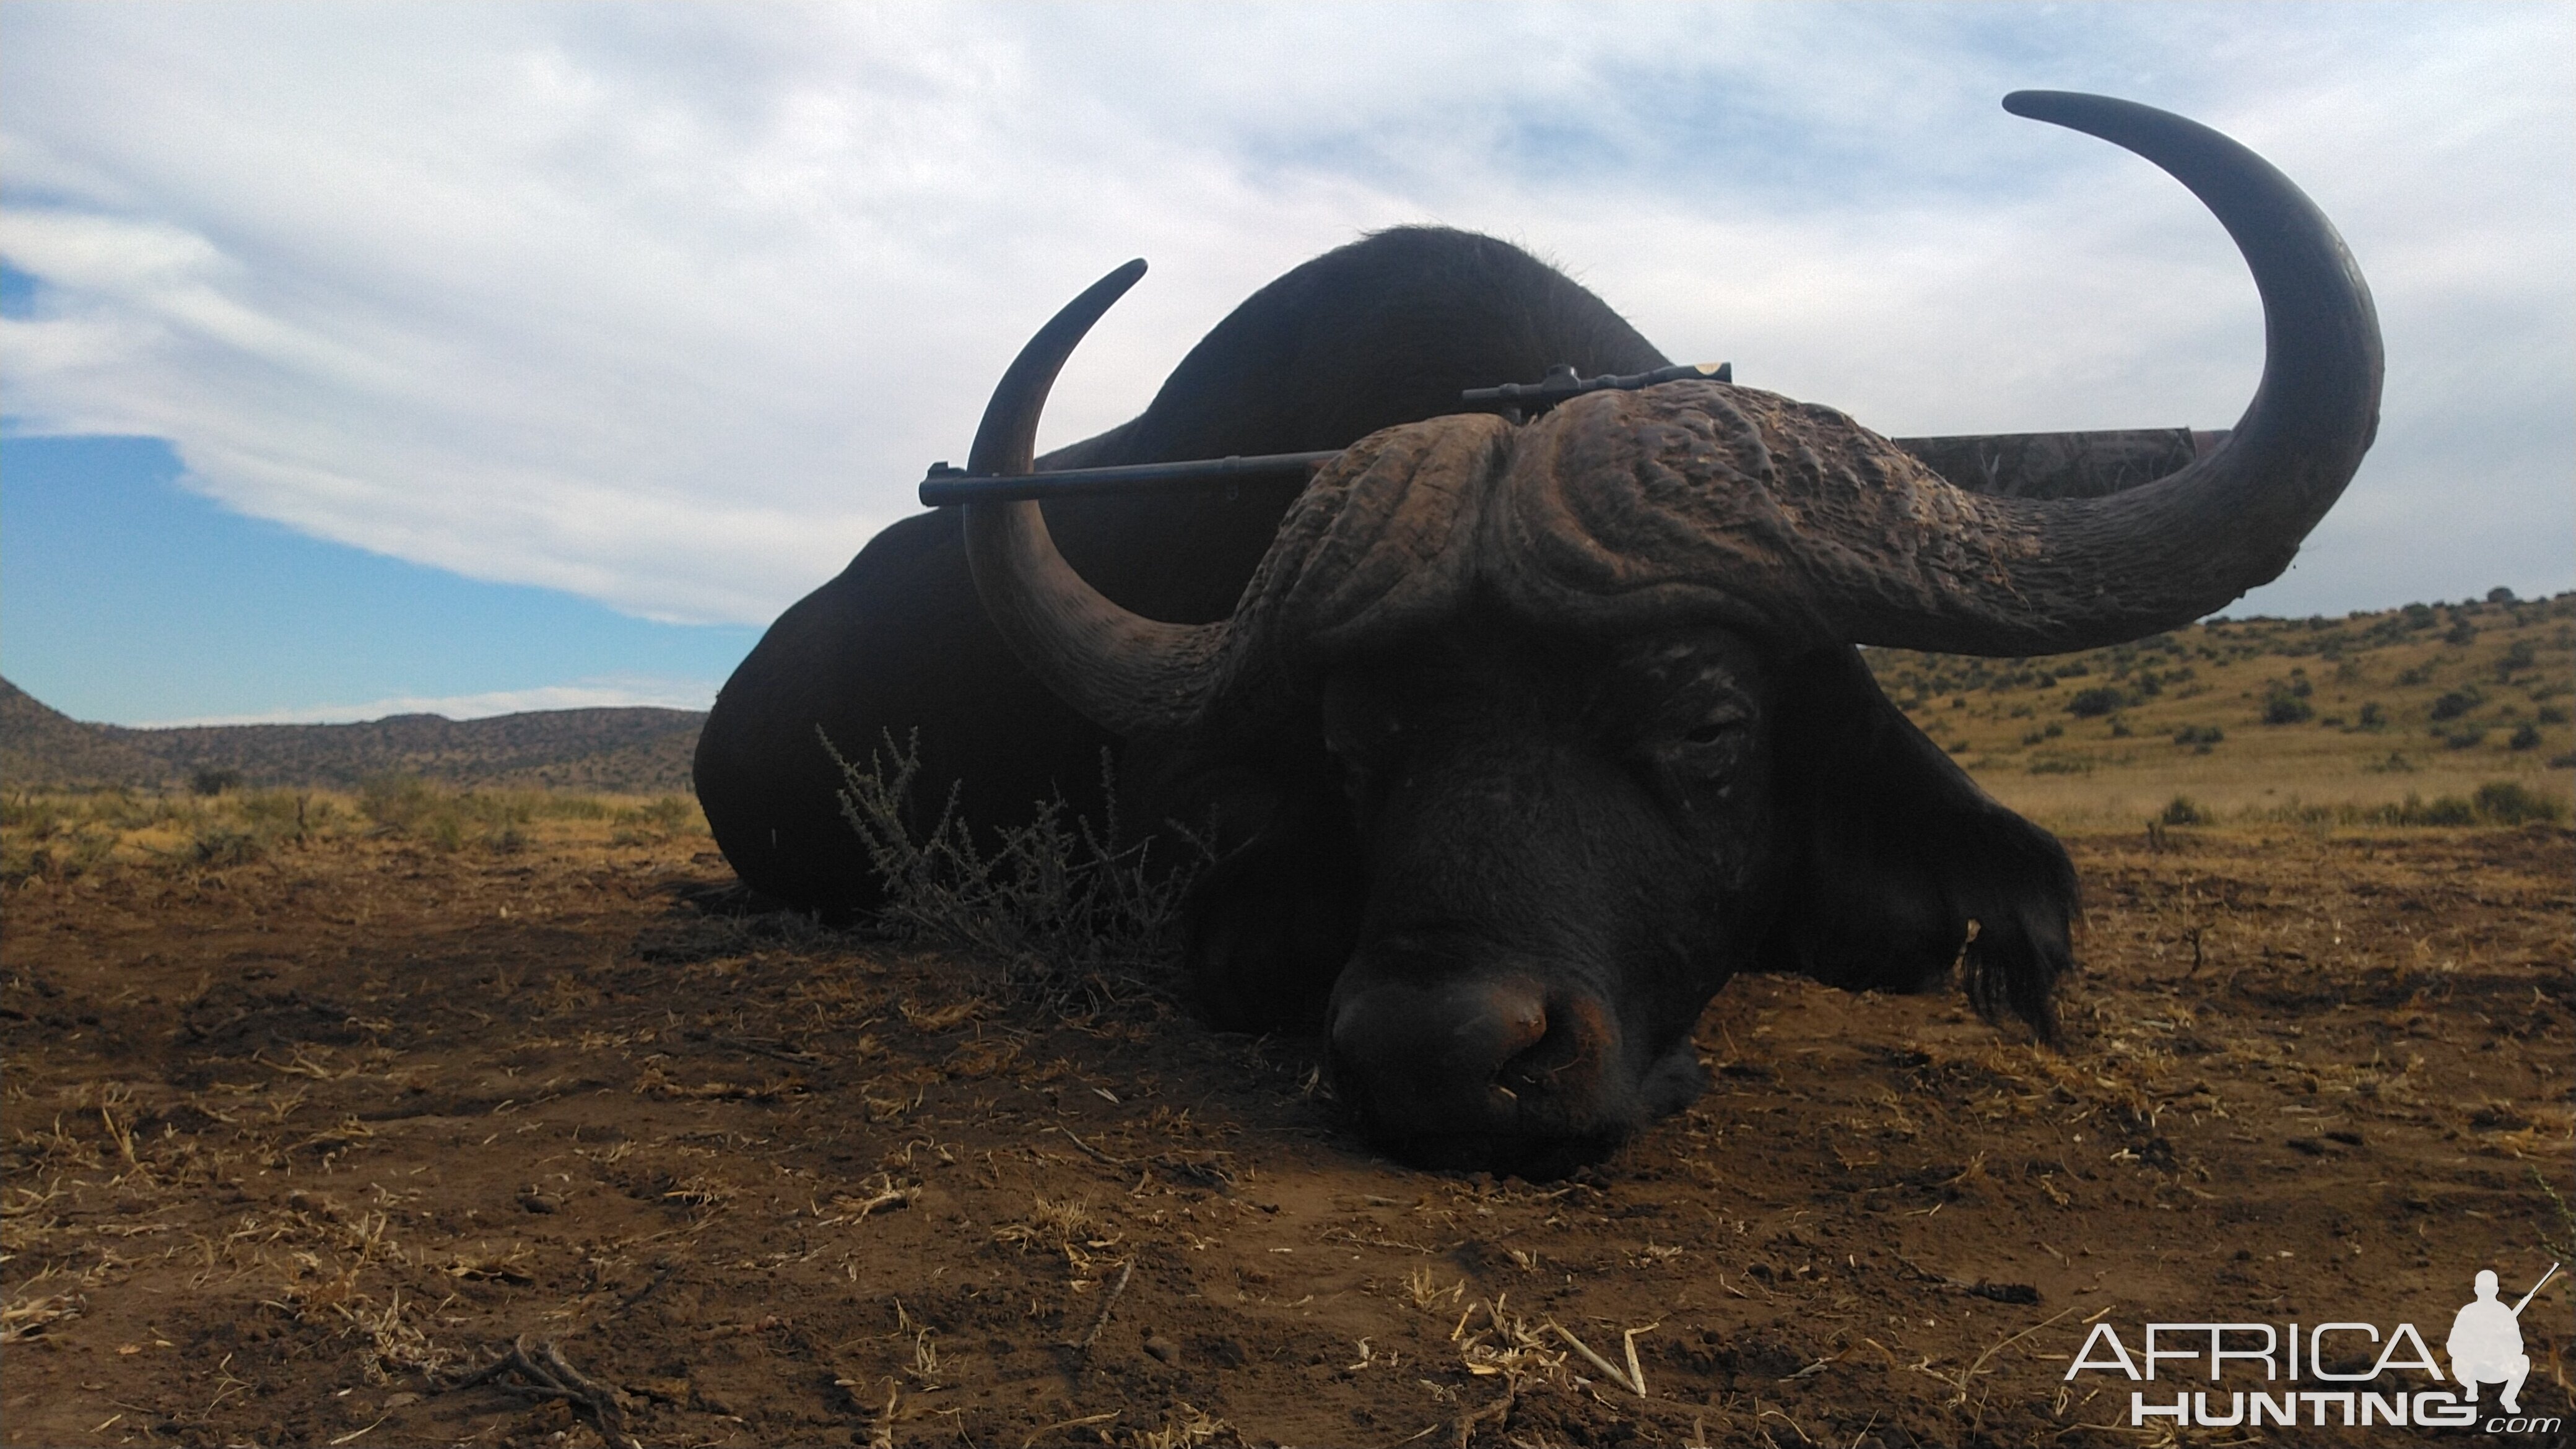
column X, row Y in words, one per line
column 553, row 806
column 2200, row 737
column 2526, row 736
column 2522, row 655
column 444, row 830
column 2508, row 802
column 2285, row 708
column 396, row 802
column 222, row 845
column 2460, row 632
column 2447, row 810
column 1070, row 900
column 2500, row 595
column 2183, row 810
column 2372, row 716
column 2096, row 701
column 57, row 853
column 2456, row 703
column 214, row 782
column 2551, row 714
column 2465, row 739
column 285, row 815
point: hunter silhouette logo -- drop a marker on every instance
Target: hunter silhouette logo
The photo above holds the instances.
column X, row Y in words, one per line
column 2486, row 1341
column 2358, row 1371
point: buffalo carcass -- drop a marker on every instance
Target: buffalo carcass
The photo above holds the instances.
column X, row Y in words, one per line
column 1386, row 331
column 1523, row 738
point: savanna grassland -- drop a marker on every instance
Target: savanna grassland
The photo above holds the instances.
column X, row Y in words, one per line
column 424, row 1114
column 2320, row 720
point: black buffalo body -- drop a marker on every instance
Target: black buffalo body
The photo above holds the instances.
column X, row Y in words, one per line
column 1520, row 738
column 1383, row 332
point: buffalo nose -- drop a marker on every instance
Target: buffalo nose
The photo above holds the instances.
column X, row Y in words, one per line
column 1456, row 1068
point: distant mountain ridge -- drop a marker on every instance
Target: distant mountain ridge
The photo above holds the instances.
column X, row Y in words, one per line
column 624, row 751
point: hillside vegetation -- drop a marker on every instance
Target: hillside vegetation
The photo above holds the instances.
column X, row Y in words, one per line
column 2268, row 718
column 43, row 749
column 623, row 751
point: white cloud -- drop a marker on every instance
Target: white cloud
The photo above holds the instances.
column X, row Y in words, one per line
column 668, row 305
column 582, row 694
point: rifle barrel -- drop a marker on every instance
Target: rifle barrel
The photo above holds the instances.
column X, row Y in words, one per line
column 947, row 485
column 2535, row 1290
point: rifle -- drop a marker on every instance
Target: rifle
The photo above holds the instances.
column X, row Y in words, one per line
column 2535, row 1289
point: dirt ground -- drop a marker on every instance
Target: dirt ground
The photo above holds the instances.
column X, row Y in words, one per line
column 294, row 1146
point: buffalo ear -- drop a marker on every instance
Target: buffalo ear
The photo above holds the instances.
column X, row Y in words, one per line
column 1271, row 920
column 1888, row 851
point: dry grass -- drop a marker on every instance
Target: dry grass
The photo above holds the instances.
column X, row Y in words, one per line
column 65, row 835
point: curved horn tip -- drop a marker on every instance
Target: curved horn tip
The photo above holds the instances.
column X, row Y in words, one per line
column 1112, row 285
column 1007, row 437
column 2072, row 109
column 2034, row 103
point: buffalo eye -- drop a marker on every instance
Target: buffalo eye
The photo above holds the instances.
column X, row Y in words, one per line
column 1720, row 726
column 1696, row 753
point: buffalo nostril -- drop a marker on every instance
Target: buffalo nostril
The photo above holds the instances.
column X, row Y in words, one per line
column 1418, row 1057
column 1572, row 1038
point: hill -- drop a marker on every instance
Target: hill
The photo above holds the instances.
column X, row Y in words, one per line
column 629, row 751
column 43, row 748
column 2264, row 716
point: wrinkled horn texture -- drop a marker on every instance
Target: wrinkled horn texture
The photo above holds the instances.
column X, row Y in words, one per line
column 1691, row 501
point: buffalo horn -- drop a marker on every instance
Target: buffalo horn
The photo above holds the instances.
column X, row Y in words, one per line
column 1127, row 673
column 2086, row 572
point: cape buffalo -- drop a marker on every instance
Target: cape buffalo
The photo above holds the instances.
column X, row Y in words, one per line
column 1523, row 737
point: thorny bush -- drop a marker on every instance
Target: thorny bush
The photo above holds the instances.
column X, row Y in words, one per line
column 1066, row 904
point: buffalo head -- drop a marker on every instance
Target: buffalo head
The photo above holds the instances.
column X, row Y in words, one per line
column 1523, row 738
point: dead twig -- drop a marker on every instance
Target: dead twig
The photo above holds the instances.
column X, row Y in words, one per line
column 1102, row 1321
column 1032, row 1440
column 750, row 1047
column 881, row 1434
column 1094, row 1153
column 550, row 1376
column 1609, row 1370
column 1969, row 1374
column 850, row 1208
column 1499, row 1411
column 1636, row 1370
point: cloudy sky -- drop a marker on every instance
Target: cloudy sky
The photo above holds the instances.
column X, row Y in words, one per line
column 476, row 358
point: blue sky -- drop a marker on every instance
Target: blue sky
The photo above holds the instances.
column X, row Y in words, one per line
column 129, row 595
column 472, row 358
